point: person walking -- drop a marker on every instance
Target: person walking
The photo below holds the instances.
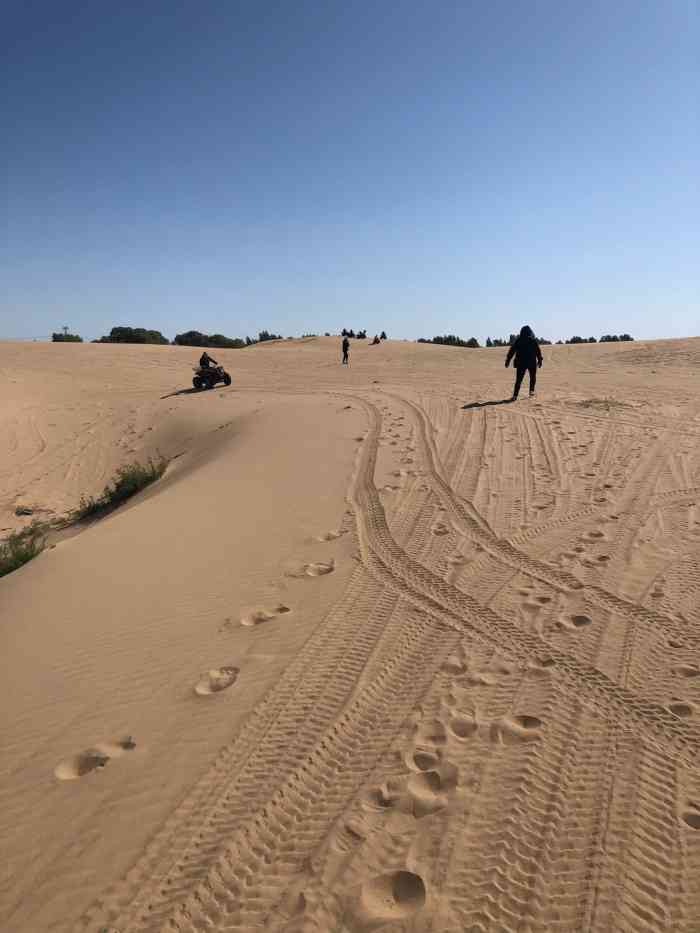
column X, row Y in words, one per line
column 528, row 358
column 346, row 349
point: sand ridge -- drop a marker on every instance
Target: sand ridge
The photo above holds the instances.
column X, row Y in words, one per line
column 445, row 679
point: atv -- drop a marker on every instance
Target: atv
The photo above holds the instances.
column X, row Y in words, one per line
column 206, row 377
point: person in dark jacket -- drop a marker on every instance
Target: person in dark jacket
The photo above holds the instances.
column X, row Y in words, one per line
column 528, row 358
column 205, row 360
column 346, row 349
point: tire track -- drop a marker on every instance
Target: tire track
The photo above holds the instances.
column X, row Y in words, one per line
column 506, row 551
column 385, row 559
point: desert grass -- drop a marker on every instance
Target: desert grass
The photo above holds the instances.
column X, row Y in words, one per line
column 129, row 480
column 21, row 547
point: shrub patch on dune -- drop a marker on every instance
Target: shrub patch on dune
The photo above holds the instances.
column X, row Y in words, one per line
column 21, row 547
column 128, row 481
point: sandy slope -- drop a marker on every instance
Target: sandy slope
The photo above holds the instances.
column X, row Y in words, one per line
column 481, row 711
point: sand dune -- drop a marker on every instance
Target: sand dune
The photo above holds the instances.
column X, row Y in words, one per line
column 372, row 654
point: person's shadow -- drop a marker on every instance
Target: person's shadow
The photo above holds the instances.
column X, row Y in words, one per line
column 500, row 401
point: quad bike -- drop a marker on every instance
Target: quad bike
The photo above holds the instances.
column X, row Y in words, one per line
column 206, row 377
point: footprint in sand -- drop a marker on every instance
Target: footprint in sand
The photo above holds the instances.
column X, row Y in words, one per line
column 574, row 622
column 686, row 670
column 216, row 680
column 384, row 796
column 330, row 535
column 439, row 529
column 258, row 616
column 512, row 730
column 430, row 732
column 429, row 789
column 92, row 759
column 457, row 561
column 680, row 709
column 313, row 569
column 423, row 760
column 463, row 727
column 691, row 816
column 319, row 569
column 456, row 664
column 394, row 896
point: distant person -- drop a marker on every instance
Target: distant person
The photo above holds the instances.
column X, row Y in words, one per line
column 528, row 358
column 375, row 341
column 346, row 349
column 205, row 360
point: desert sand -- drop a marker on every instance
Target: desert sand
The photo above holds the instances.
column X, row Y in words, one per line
column 372, row 654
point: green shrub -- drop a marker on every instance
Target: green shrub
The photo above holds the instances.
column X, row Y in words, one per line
column 128, row 481
column 66, row 338
column 193, row 338
column 21, row 547
column 133, row 335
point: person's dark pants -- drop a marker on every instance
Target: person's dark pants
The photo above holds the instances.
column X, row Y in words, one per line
column 345, row 356
column 520, row 374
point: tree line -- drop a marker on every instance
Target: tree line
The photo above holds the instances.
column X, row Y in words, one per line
column 360, row 335
column 450, row 340
column 194, row 338
column 191, row 338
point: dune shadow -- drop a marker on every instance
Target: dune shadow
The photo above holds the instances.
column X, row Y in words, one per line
column 500, row 401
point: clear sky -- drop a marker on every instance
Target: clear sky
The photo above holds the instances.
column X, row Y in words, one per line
column 422, row 167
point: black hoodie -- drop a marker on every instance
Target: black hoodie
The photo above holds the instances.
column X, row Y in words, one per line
column 526, row 350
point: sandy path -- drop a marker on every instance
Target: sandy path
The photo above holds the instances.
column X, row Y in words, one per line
column 485, row 717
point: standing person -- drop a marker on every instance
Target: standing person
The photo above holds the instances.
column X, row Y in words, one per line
column 346, row 349
column 528, row 357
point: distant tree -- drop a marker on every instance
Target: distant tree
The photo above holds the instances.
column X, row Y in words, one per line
column 249, row 341
column 489, row 342
column 134, row 335
column 544, row 342
column 592, row 340
column 193, row 338
column 382, row 336
column 450, row 340
column 560, row 343
column 66, row 338
column 576, row 340
column 226, row 343
column 350, row 333
column 511, row 339
column 362, row 335
column 265, row 335
column 626, row 337
column 609, row 338
column 326, row 334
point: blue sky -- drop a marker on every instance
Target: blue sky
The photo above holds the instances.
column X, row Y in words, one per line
column 419, row 167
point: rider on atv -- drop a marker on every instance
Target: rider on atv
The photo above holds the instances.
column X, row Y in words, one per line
column 205, row 360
